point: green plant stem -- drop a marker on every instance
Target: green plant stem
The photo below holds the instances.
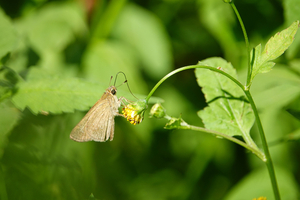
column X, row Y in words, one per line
column 191, row 67
column 268, row 160
column 108, row 18
column 246, row 42
column 222, row 135
column 104, row 25
column 247, row 138
column 249, row 141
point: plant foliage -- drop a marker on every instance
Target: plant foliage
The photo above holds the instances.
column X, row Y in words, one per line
column 57, row 58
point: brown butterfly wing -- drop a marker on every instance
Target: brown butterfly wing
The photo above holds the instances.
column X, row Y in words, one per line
column 98, row 123
column 98, row 127
column 79, row 132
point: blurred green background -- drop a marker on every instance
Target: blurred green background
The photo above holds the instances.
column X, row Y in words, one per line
column 93, row 40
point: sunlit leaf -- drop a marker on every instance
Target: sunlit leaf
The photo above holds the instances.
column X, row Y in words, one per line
column 43, row 93
column 55, row 94
column 145, row 33
column 228, row 110
column 291, row 11
column 105, row 58
column 8, row 35
column 276, row 89
column 54, row 26
column 274, row 48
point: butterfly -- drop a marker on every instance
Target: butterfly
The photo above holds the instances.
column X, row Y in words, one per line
column 99, row 124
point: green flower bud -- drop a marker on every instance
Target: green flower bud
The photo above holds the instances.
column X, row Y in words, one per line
column 157, row 111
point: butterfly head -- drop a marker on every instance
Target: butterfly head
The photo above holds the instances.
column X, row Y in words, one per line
column 112, row 90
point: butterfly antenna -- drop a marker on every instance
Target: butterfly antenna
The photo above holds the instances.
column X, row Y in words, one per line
column 110, row 80
column 124, row 82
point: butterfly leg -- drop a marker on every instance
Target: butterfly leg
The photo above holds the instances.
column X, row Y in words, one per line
column 121, row 101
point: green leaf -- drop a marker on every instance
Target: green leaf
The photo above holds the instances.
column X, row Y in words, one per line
column 42, row 93
column 54, row 26
column 146, row 34
column 277, row 89
column 291, row 11
column 104, row 58
column 8, row 119
column 257, row 184
column 274, row 48
column 103, row 55
column 209, row 14
column 228, row 110
column 8, row 35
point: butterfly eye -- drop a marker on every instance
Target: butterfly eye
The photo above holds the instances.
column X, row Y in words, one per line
column 113, row 91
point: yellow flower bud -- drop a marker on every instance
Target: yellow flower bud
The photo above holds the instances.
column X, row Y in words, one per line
column 134, row 112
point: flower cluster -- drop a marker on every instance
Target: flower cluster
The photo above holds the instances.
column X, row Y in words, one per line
column 134, row 112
